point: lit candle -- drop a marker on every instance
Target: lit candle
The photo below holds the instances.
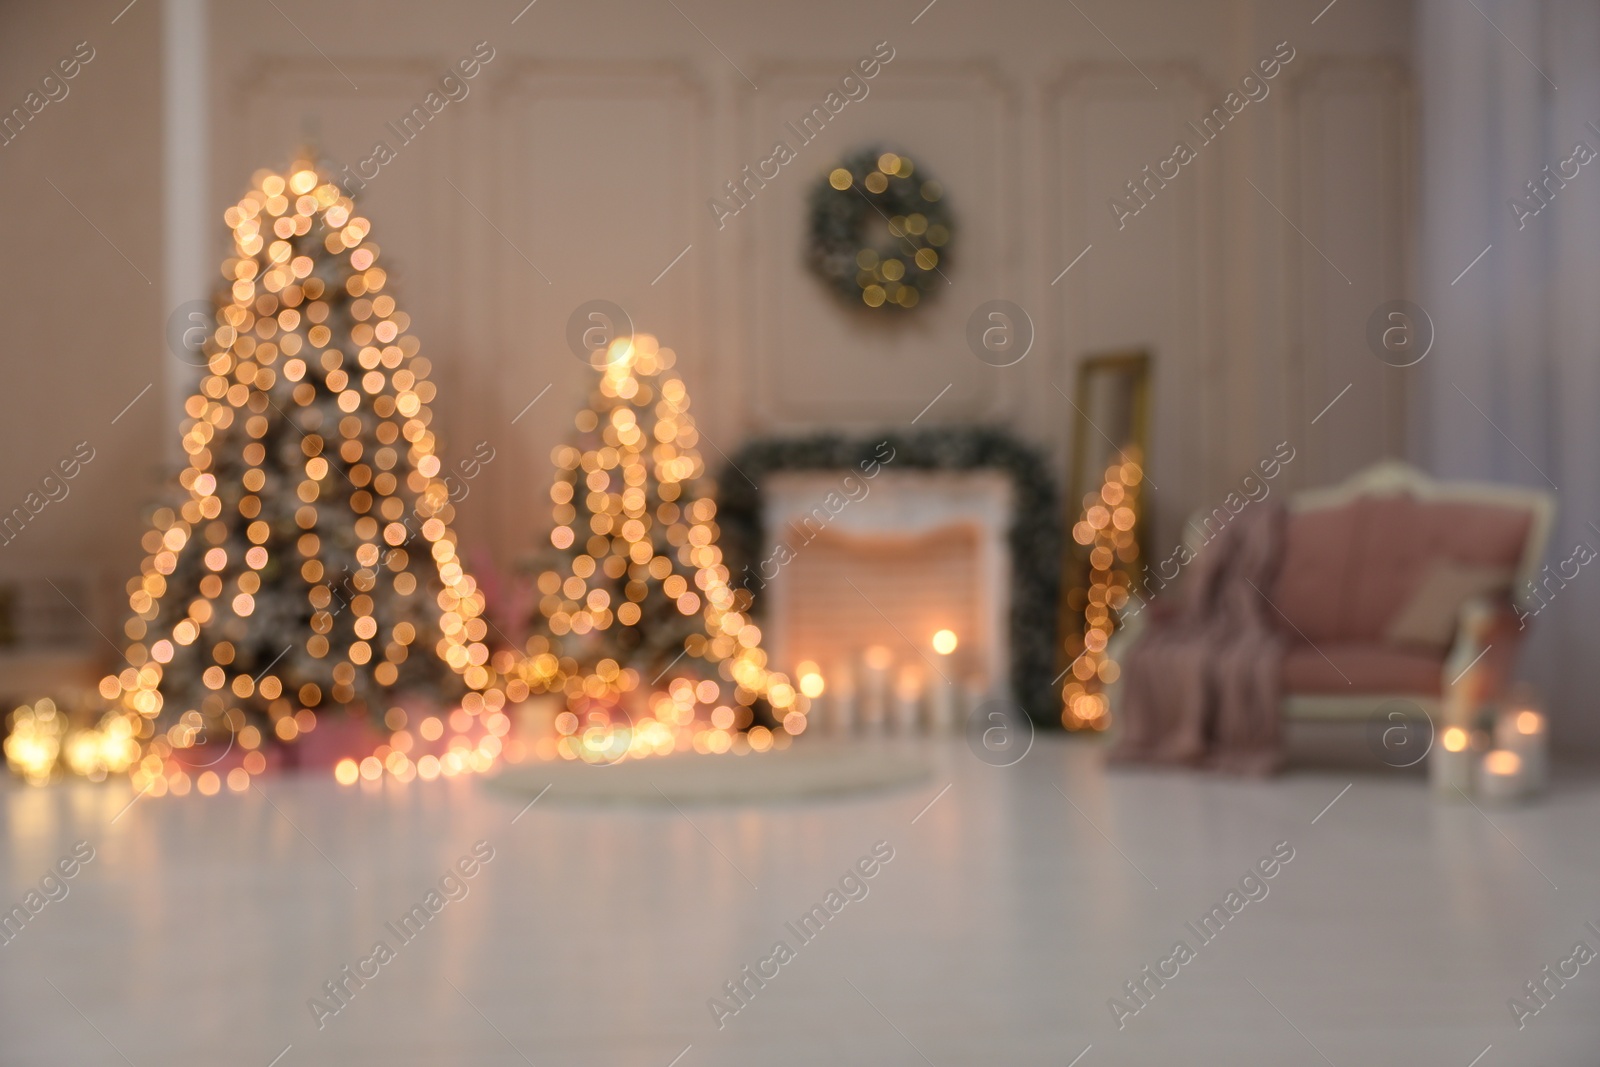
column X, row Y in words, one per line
column 1502, row 776
column 942, row 695
column 1450, row 763
column 1522, row 730
column 907, row 700
column 875, row 687
column 812, row 686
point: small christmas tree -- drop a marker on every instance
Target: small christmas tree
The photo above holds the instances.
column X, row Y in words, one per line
column 1105, row 552
column 640, row 628
column 310, row 557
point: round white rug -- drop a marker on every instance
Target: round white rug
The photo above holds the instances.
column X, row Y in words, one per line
column 807, row 769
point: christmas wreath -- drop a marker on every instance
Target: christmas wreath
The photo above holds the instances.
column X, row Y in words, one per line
column 880, row 230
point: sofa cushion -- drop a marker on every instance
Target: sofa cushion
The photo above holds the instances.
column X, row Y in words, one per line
column 1400, row 537
column 1356, row 669
column 1429, row 619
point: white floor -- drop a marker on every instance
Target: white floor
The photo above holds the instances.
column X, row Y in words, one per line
column 1007, row 919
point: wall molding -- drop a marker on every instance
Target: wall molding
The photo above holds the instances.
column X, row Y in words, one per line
column 988, row 262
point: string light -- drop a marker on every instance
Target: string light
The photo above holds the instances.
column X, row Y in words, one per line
column 43, row 742
column 640, row 559
column 1107, row 531
column 34, row 743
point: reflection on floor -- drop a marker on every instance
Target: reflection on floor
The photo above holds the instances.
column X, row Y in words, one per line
column 1001, row 918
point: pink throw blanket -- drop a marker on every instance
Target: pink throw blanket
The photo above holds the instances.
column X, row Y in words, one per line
column 1200, row 687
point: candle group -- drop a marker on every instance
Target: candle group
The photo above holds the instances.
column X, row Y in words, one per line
column 1505, row 763
column 1521, row 731
column 882, row 692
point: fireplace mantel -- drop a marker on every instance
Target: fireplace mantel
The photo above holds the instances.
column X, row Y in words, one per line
column 896, row 557
column 1032, row 541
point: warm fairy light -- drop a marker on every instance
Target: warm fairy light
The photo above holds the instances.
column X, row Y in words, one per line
column 43, row 740
column 1502, row 762
column 109, row 748
column 345, row 772
column 639, row 568
column 944, row 642
column 35, row 740
column 1454, row 739
column 1107, row 531
column 1528, row 722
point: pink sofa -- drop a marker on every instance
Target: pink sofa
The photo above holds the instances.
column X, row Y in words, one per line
column 1393, row 586
column 1349, row 570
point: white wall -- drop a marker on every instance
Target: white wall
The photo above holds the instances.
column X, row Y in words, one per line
column 80, row 288
column 597, row 134
column 595, row 137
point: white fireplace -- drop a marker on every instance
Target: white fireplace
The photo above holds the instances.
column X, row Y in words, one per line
column 888, row 562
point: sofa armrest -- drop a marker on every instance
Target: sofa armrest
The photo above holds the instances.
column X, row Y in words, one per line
column 1478, row 667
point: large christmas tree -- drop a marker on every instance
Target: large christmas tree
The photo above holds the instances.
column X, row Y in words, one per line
column 308, row 565
column 639, row 626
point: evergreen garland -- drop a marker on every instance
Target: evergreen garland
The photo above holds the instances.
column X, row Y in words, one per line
column 1034, row 537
